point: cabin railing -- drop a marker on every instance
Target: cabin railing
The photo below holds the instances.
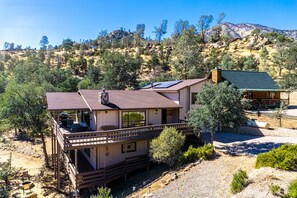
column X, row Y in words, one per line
column 72, row 171
column 104, row 175
column 70, row 140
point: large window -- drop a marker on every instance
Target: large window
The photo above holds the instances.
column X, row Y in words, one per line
column 133, row 119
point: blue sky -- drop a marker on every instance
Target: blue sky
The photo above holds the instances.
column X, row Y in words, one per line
column 24, row 22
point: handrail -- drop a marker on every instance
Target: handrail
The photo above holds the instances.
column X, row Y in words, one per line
column 112, row 172
column 70, row 140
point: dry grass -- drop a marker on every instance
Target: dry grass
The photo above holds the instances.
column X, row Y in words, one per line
column 273, row 122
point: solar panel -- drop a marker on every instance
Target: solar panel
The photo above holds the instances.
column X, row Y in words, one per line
column 150, row 85
column 167, row 84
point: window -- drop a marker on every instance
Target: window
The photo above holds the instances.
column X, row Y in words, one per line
column 194, row 98
column 133, row 119
column 129, row 147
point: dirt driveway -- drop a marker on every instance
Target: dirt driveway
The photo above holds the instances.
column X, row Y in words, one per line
column 213, row 178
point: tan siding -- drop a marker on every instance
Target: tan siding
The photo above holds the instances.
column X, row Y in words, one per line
column 172, row 96
column 196, row 89
column 93, row 120
column 107, row 118
column 116, row 155
column 184, row 102
column 154, row 117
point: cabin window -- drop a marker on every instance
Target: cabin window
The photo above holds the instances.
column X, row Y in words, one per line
column 194, row 98
column 133, row 119
column 87, row 151
column 270, row 95
column 129, row 147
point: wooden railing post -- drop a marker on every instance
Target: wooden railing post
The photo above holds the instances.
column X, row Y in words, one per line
column 58, row 167
column 75, row 158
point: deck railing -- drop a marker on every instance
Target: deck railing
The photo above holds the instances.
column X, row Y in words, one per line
column 70, row 140
column 104, row 175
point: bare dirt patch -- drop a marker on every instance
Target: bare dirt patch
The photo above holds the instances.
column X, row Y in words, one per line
column 207, row 179
column 261, row 179
column 27, row 156
column 273, row 122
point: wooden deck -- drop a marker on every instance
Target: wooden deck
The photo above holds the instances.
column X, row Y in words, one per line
column 68, row 141
column 77, row 140
column 88, row 178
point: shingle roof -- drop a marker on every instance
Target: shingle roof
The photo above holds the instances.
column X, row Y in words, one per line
column 182, row 84
column 124, row 99
column 65, row 101
column 248, row 80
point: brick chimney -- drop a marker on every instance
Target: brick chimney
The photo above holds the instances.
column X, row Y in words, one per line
column 216, row 75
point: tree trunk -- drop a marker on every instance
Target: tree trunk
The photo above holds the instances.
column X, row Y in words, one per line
column 280, row 72
column 280, row 122
column 44, row 149
column 212, row 137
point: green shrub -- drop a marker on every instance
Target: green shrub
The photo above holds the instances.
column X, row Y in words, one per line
column 274, row 189
column 103, row 192
column 167, row 146
column 292, row 193
column 239, row 182
column 205, row 152
column 284, row 157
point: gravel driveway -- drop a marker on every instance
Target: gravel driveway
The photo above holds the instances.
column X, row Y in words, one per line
column 239, row 144
column 213, row 178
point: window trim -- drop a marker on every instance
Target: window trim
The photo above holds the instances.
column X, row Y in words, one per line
column 139, row 121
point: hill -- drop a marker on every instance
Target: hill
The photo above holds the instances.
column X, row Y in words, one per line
column 242, row 46
column 242, row 30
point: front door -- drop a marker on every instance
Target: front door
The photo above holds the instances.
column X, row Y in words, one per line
column 164, row 116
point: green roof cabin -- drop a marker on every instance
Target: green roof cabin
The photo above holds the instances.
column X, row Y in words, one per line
column 256, row 86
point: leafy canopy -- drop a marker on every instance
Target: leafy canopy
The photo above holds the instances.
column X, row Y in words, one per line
column 219, row 107
column 167, row 147
column 188, row 60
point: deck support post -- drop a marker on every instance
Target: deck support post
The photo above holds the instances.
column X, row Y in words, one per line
column 58, row 167
column 52, row 143
column 55, row 156
column 75, row 158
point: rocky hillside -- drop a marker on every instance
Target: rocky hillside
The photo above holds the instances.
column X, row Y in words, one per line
column 243, row 48
column 243, row 29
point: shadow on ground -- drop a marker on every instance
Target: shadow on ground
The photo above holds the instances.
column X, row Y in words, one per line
column 224, row 137
column 136, row 180
column 250, row 149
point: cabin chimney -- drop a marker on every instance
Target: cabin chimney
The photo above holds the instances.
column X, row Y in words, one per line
column 103, row 97
column 216, row 75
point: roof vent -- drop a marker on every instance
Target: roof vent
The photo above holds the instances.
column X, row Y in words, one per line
column 103, row 97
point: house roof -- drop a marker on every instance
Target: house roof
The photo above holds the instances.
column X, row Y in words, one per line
column 118, row 99
column 175, row 87
column 249, row 80
column 124, row 99
column 65, row 101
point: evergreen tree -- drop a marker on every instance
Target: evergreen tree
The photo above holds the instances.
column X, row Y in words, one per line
column 219, row 106
column 43, row 42
column 120, row 71
column 203, row 24
column 161, row 30
column 179, row 27
column 23, row 106
column 187, row 59
column 167, row 147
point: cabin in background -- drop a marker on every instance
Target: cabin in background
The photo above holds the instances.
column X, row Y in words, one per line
column 259, row 87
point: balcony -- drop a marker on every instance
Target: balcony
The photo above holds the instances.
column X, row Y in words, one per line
column 77, row 140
